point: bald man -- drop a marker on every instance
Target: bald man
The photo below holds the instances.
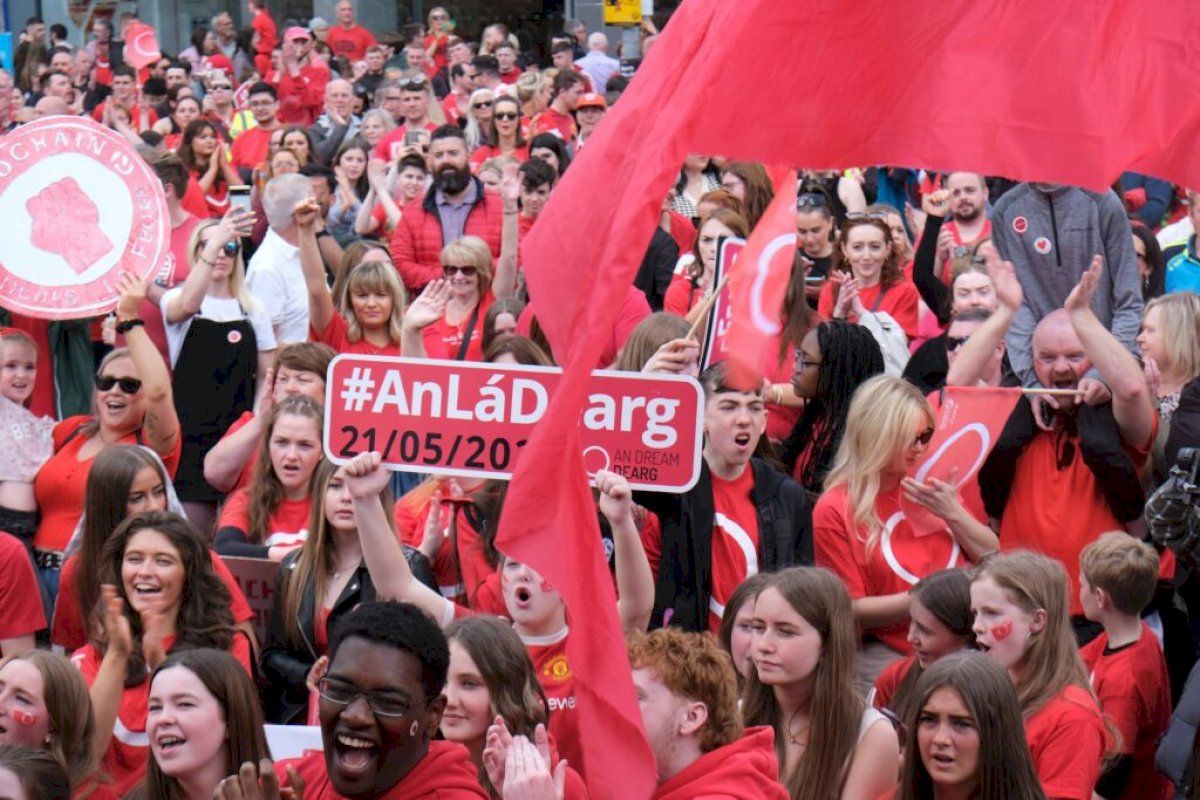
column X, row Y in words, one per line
column 338, row 124
column 51, row 106
column 1067, row 472
column 598, row 64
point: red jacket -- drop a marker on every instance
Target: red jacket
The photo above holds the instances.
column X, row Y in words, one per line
column 745, row 769
column 416, row 244
column 302, row 97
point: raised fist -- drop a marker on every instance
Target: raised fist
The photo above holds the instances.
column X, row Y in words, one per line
column 67, row 223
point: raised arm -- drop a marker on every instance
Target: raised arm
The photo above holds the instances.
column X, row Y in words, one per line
column 971, row 362
column 927, row 258
column 109, row 682
column 320, row 303
column 186, row 302
column 160, row 426
column 504, row 284
column 635, row 582
column 420, row 314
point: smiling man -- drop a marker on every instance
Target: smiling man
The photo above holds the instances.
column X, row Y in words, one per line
column 380, row 706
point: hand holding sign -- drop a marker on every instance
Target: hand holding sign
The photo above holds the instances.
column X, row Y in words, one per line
column 81, row 243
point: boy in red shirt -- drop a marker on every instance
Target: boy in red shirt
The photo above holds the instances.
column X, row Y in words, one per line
column 1117, row 578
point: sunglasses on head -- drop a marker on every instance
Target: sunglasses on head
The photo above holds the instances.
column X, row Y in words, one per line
column 810, row 200
column 105, row 383
column 955, row 342
column 507, row 115
column 879, row 215
column 465, row 271
column 413, row 83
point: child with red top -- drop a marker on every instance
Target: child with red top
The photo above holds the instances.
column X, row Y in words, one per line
column 125, row 480
column 270, row 517
column 342, row 564
column 299, row 369
column 859, row 527
column 446, row 321
column 393, row 657
column 871, row 278
column 939, row 613
column 1019, row 600
column 1117, row 578
column 167, row 599
column 365, row 317
column 540, row 618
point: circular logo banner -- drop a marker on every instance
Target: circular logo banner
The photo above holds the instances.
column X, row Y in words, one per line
column 79, row 206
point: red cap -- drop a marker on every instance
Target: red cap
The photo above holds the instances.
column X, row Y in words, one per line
column 591, row 100
column 296, row 32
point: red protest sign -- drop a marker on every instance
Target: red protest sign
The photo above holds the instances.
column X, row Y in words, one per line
column 79, row 206
column 256, row 578
column 721, row 317
column 466, row 418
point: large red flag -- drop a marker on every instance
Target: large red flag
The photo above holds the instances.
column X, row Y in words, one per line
column 1074, row 91
column 141, row 45
column 757, row 287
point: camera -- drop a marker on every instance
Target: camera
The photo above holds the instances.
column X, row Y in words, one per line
column 1173, row 511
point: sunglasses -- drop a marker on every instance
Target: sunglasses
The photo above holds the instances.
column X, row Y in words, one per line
column 105, row 383
column 231, row 249
column 220, row 87
column 507, row 115
column 465, row 271
column 924, row 438
column 413, row 83
column 955, row 342
column 483, row 104
column 879, row 215
column 810, row 200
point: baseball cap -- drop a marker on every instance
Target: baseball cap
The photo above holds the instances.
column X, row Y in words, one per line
column 591, row 100
column 296, row 32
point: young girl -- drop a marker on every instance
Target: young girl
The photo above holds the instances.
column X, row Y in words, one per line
column 270, row 518
column 350, row 168
column 204, row 153
column 166, row 598
column 828, row 741
column 1019, row 600
column 341, row 565
column 25, row 439
column 204, row 720
column 939, row 613
column 737, row 624
column 492, row 677
column 126, row 480
column 860, row 530
column 964, row 735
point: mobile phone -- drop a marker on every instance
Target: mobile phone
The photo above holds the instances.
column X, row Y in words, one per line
column 239, row 197
column 412, row 138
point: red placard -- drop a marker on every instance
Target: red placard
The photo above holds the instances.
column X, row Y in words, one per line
column 721, row 317
column 467, row 418
column 79, row 206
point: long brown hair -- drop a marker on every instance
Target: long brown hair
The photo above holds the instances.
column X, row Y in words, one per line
column 69, row 707
column 644, row 340
column 40, row 775
column 947, row 595
column 730, row 219
column 266, row 490
column 836, row 712
column 759, row 191
column 892, row 272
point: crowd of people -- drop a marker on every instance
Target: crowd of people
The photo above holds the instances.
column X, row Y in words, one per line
column 793, row 632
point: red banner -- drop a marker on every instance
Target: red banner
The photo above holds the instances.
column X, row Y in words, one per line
column 467, row 418
column 716, row 347
column 141, row 45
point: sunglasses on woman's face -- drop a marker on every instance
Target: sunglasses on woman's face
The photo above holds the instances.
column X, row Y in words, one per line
column 483, row 104
column 465, row 271
column 105, row 383
column 507, row 115
column 925, row 437
column 231, row 249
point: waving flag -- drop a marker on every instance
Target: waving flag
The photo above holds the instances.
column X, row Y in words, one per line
column 141, row 45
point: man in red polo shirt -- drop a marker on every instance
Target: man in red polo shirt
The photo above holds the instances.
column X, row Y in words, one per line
column 348, row 38
column 559, row 118
column 302, row 81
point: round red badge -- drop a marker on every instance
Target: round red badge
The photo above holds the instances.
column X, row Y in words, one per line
column 233, row 337
column 1042, row 245
column 80, row 206
column 1020, row 224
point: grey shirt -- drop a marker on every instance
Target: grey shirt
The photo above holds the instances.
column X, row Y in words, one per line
column 454, row 214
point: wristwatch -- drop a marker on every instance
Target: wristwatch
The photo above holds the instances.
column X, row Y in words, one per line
column 126, row 325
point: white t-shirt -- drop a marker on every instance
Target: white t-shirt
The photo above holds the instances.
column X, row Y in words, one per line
column 276, row 278
column 216, row 309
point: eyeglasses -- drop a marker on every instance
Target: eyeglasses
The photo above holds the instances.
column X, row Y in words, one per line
column 105, row 383
column 439, row 16
column 343, row 694
column 955, row 342
column 483, row 104
column 507, row 115
column 465, row 271
column 925, row 437
column 811, row 200
column 413, row 83
column 800, row 362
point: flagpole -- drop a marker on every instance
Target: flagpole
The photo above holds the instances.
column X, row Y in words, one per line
column 1051, row 392
column 705, row 306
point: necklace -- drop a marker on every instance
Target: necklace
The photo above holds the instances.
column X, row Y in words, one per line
column 795, row 739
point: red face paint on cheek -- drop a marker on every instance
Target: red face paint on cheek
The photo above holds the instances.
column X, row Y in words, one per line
column 1002, row 631
column 547, row 586
column 24, row 717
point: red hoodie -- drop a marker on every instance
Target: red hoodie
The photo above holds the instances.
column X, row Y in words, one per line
column 742, row 770
column 445, row 773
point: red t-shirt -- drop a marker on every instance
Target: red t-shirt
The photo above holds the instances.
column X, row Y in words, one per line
column 247, row 473
column 268, row 35
column 894, row 564
column 69, row 630
column 734, row 540
column 287, row 526
column 681, row 295
column 551, row 121
column 486, row 151
column 135, row 117
column 20, row 597
column 61, row 483
column 460, row 576
column 1066, row 739
column 1059, row 512
column 549, row 656
column 444, row 773
column 249, row 149
column 1135, row 693
column 439, row 54
column 889, row 681
column 350, row 42
column 509, row 78
column 443, row 340
column 901, row 302
column 216, row 199
column 129, row 749
column 383, row 149
column 337, row 336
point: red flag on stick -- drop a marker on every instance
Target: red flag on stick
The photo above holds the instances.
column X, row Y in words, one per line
column 1075, row 91
column 757, row 287
column 141, row 45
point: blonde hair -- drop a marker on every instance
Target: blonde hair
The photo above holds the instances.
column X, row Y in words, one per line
column 528, row 85
column 237, row 275
column 883, row 414
column 1179, row 322
column 1124, row 567
column 470, row 251
column 475, row 135
column 375, row 277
